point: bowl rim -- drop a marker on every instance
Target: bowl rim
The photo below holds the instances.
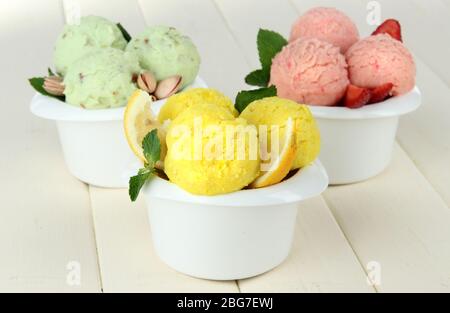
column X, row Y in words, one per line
column 53, row 109
column 392, row 107
column 307, row 183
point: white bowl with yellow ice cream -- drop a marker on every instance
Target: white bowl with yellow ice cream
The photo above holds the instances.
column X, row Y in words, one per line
column 232, row 236
column 213, row 218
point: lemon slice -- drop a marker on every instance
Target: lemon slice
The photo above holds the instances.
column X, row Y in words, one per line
column 139, row 121
column 280, row 165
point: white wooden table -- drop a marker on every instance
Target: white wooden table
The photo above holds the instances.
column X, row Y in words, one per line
column 49, row 221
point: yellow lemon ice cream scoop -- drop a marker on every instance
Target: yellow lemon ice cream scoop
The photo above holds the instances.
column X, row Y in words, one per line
column 210, row 152
column 175, row 105
column 277, row 111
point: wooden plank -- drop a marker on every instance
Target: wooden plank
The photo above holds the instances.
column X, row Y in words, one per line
column 446, row 3
column 425, row 135
column 127, row 259
column 46, row 220
column 128, row 13
column 399, row 221
column 223, row 65
column 321, row 260
column 245, row 26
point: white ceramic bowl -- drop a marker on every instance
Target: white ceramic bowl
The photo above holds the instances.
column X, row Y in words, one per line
column 233, row 236
column 357, row 144
column 93, row 141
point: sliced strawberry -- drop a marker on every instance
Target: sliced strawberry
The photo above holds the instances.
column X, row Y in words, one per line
column 391, row 27
column 381, row 93
column 356, row 97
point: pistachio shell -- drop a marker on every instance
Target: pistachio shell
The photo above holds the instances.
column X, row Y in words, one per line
column 147, row 82
column 54, row 85
column 168, row 87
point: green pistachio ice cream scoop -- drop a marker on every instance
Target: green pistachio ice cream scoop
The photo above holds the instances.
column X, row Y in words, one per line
column 77, row 40
column 166, row 52
column 101, row 79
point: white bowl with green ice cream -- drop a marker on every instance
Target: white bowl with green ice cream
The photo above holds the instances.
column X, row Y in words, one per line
column 96, row 79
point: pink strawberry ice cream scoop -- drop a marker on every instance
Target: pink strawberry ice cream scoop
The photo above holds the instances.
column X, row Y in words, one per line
column 310, row 71
column 380, row 59
column 326, row 24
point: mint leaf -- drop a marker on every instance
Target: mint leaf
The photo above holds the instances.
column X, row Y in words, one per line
column 152, row 147
column 137, row 182
column 152, row 152
column 50, row 72
column 38, row 84
column 244, row 98
column 258, row 78
column 124, row 32
column 270, row 44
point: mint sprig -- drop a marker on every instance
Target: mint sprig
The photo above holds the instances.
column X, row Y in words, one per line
column 152, row 152
column 38, row 84
column 244, row 98
column 124, row 32
column 269, row 44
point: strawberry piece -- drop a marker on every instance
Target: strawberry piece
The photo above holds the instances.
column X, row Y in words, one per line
column 357, row 97
column 391, row 27
column 381, row 93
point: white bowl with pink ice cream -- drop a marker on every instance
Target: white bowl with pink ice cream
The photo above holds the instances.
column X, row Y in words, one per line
column 343, row 80
column 357, row 144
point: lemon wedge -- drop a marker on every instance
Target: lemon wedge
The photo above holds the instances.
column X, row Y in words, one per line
column 139, row 121
column 281, row 164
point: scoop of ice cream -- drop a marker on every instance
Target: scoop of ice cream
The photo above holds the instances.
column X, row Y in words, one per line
column 77, row 40
column 101, row 79
column 277, row 111
column 209, row 162
column 166, row 52
column 326, row 24
column 310, row 71
column 176, row 104
column 380, row 59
